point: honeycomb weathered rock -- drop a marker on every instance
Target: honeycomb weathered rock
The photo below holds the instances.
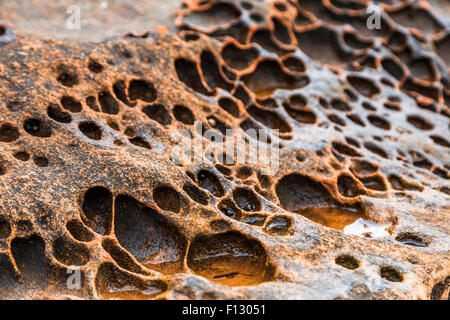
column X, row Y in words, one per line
column 88, row 181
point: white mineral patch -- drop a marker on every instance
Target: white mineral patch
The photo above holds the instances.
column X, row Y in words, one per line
column 369, row 229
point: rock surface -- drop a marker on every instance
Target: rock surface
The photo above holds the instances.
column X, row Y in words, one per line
column 89, row 184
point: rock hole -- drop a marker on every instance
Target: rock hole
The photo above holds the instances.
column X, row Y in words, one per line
column 94, row 66
column 195, row 193
column 355, row 42
column 238, row 58
column 257, row 220
column 183, row 114
column 66, row 76
column 208, row 181
column 411, row 239
column 420, row 122
column 327, row 51
column 348, row 187
column 244, row 172
column 5, row 228
column 303, row 116
column 246, row 199
column 366, row 105
column 376, row 149
column 108, row 103
column 374, row 182
column 336, row 217
column 281, row 32
column 439, row 289
column 393, row 68
column 220, row 225
column 268, row 77
column 363, row 168
column 113, row 283
column 278, row 226
column 3, row 169
column 347, row 261
column 55, row 113
column 440, row 141
column 142, row 90
column 419, row 160
column 352, row 141
column 280, row 6
column 230, row 106
column 167, row 198
column 37, row 127
column 22, row 156
column 79, row 232
column 140, row 142
column 229, row 258
column 443, row 48
column 345, row 149
column 256, row 17
column 71, row 104
column 70, row 253
column 97, row 209
column 36, row 272
column 91, row 130
column 40, row 161
column 228, row 208
column 392, row 106
column 91, row 101
column 356, row 119
column 364, row 86
column 441, row 173
column 296, row 191
column 391, row 274
column 158, row 113
column 8, row 133
column 188, row 73
column 113, row 124
column 268, row 103
column 242, row 94
column 422, row 68
column 340, row 105
column 211, row 72
column 122, row 257
column 246, row 5
column 120, row 88
column 294, row 64
column 223, row 170
column 270, row 119
column 190, row 36
column 130, row 131
column 379, row 122
column 149, row 236
column 399, row 183
column 336, row 119
column 412, row 86
column 417, row 18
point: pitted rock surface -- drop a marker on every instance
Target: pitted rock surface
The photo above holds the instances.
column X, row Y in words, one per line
column 88, row 183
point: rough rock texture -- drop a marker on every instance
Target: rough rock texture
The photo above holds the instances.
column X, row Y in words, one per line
column 87, row 178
